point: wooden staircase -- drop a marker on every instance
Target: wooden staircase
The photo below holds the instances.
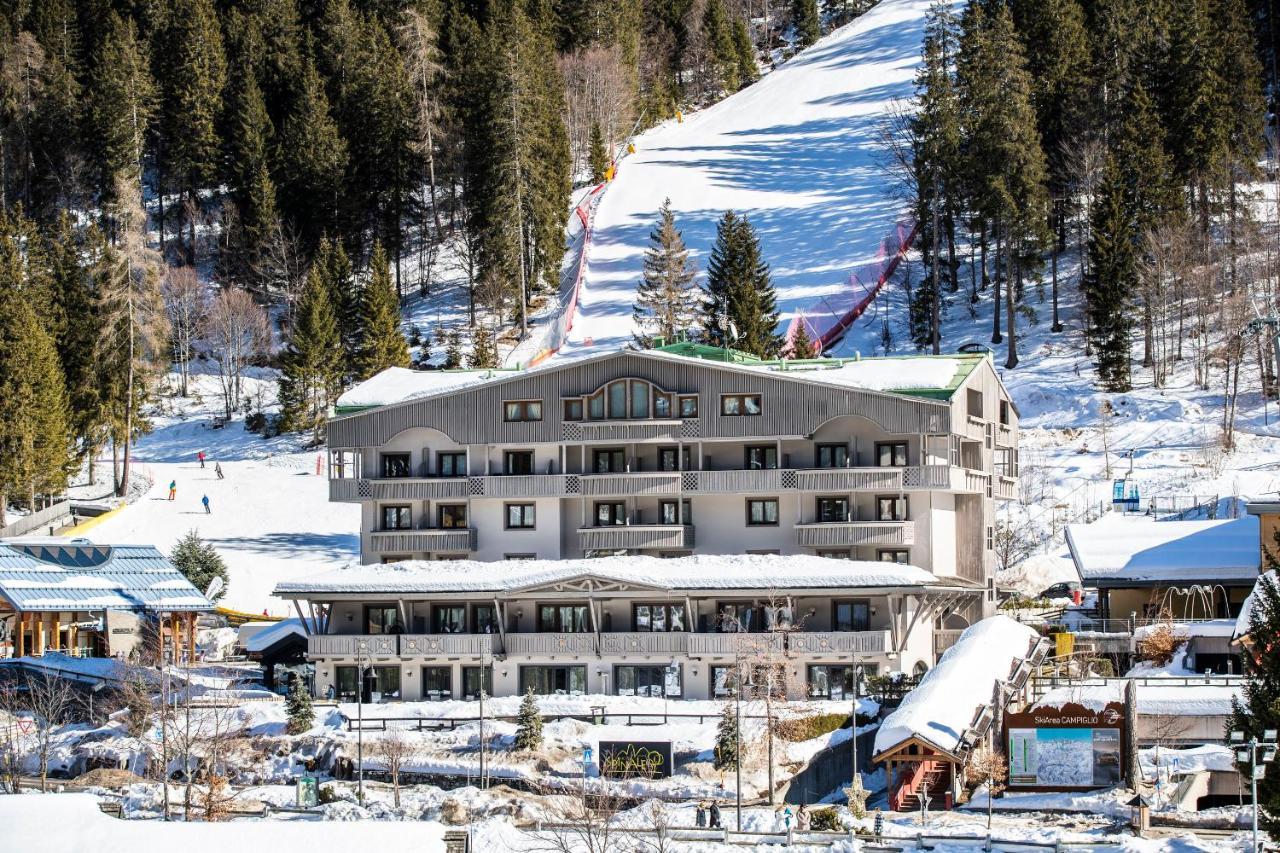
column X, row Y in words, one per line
column 931, row 776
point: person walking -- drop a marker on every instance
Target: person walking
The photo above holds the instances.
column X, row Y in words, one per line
column 205, row 500
column 715, row 815
column 173, row 489
column 200, row 456
column 802, row 818
column 700, row 816
column 217, row 469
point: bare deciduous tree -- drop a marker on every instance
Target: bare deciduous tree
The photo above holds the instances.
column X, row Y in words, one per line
column 986, row 766
column 185, row 304
column 237, row 331
column 50, row 700
column 394, row 750
column 597, row 92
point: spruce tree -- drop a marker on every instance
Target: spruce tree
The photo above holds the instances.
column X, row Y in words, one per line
column 313, row 159
column 297, row 706
column 726, row 748
column 597, row 157
column 483, row 352
column 744, row 52
column 802, row 345
column 248, row 160
column 666, row 298
column 528, row 724
column 199, row 563
column 75, row 290
column 804, row 17
column 1259, row 708
column 1111, row 281
column 739, row 290
column 453, row 350
column 718, row 34
column 311, row 366
column 381, row 340
column 122, row 99
column 344, row 295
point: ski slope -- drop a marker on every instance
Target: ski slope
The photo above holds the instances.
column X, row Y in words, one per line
column 798, row 153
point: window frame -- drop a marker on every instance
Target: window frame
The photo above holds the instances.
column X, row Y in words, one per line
column 893, row 447
column 898, row 500
column 830, row 447
column 528, row 515
column 681, row 399
column 384, row 458
column 650, row 669
column 669, row 612
column 557, row 607
column 399, row 509
column 447, row 671
column 851, row 603
column 392, row 608
column 777, row 512
column 768, row 449
column 821, row 499
column 508, row 455
column 881, row 553
column 618, row 453
column 440, row 513
column 741, row 405
column 438, row 610
column 525, row 411
column 683, row 458
column 613, row 512
column 456, row 456
column 569, row 403
column 685, row 516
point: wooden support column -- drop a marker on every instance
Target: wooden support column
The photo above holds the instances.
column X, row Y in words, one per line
column 20, row 648
column 38, row 645
column 173, row 637
column 191, row 637
column 56, row 634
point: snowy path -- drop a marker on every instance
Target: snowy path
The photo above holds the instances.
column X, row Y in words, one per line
column 797, row 152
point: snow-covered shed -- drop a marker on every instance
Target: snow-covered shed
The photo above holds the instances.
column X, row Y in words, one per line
column 1187, row 569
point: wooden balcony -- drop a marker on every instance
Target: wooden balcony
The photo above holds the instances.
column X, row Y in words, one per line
column 626, row 537
column 435, row 645
column 350, row 645
column 645, row 643
column 551, row 644
column 844, row 534
column 945, row 638
column 638, row 483
column 623, row 430
column 732, row 644
column 749, row 481
column 839, row 642
column 850, row 479
column 520, row 486
column 437, row 540
column 398, row 489
column 1004, row 488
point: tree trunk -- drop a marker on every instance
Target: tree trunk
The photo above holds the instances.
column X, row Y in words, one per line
column 1011, row 316
column 996, row 337
column 1058, row 244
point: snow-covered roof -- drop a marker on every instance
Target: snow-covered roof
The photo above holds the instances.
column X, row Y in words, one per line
column 700, row 572
column 943, row 706
column 260, row 641
column 398, row 384
column 1173, row 700
column 1118, row 549
column 74, row 574
column 1251, row 601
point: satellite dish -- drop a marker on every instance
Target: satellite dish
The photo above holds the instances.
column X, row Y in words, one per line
column 215, row 587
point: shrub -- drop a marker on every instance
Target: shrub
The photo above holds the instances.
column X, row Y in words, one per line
column 1160, row 645
column 825, row 820
column 806, row 728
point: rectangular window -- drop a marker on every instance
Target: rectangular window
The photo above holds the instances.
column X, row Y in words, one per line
column 1004, row 461
column 759, row 681
column 609, row 461
column 522, row 410
column 645, row 681
column 517, row 462
column 640, row 400
column 831, row 510
column 475, row 679
column 382, row 619
column 737, row 617
column 521, row 517
column 893, row 555
column 611, row 513
column 451, row 464
column 724, row 679
column 397, row 518
column 657, row 618
column 662, row 406
column 573, row 410
column 833, row 456
column 667, row 513
column 380, row 683
column 673, row 459
column 1004, row 412
column 851, row 615
column 437, row 683
column 761, row 512
column 595, row 406
column 484, row 619
column 618, row 400
column 736, row 405
column 990, row 538
column 974, row 399
column 760, row 457
column 891, row 508
column 452, row 516
column 891, row 454
column 449, row 619
column 395, row 465
column 563, row 619
column 688, row 407
column 553, row 680
column 837, row 682
column 834, row 555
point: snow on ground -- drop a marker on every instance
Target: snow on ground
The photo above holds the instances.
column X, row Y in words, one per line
column 797, row 152
column 270, row 519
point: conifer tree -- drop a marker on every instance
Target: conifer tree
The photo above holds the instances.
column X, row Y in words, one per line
column 344, row 296
column 528, row 724
column 381, row 340
column 1259, row 707
column 122, row 99
column 1111, row 281
column 748, row 71
column 802, row 345
column 313, row 159
column 666, row 298
column 804, row 17
column 726, row 748
column 453, row 350
column 718, row 34
column 75, row 291
column 739, row 290
column 199, row 562
column 597, row 157
column 311, row 366
column 248, row 156
column 297, row 706
column 483, row 352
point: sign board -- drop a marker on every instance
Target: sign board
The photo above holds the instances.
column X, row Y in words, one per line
column 307, row 793
column 626, row 759
column 1071, row 748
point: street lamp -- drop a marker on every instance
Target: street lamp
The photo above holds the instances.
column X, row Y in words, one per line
column 362, row 650
column 1257, row 754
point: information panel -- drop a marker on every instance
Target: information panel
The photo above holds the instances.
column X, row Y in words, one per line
column 1065, row 749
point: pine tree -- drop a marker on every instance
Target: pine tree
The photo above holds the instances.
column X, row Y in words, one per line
column 744, row 52
column 75, row 291
column 726, row 748
column 453, row 350
column 739, row 290
column 804, row 17
column 1259, row 708
column 248, row 161
column 802, row 345
column 381, row 340
column 311, row 366
column 597, row 157
column 718, row 33
column 297, row 706
column 199, row 563
column 1111, row 281
column 483, row 353
column 528, row 724
column 313, row 160
column 666, row 298
column 122, row 100
column 345, row 297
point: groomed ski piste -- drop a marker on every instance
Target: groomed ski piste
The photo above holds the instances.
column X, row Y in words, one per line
column 799, row 153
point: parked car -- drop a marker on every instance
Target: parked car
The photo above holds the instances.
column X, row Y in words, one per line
column 1065, row 589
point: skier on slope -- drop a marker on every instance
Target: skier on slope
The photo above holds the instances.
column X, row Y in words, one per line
column 173, row 489
column 205, row 500
column 217, row 469
column 200, row 456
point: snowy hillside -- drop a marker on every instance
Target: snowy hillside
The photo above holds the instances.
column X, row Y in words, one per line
column 798, row 153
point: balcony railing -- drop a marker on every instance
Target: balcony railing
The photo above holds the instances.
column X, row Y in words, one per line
column 851, row 533
column 1004, row 488
column 635, row 536
column 398, row 489
column 746, row 481
column 850, row 479
column 372, row 645
column 731, row 643
column 638, row 483
column 397, row 541
column 551, row 644
column 446, row 644
column 643, row 643
column 839, row 642
column 520, row 486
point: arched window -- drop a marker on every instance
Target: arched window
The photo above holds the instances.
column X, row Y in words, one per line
column 630, row 399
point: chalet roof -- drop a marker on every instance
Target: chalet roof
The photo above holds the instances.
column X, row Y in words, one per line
column 1117, row 550
column 75, row 574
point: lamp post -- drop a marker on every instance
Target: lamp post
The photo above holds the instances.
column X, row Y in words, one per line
column 854, row 781
column 1257, row 754
column 362, row 650
column 737, row 744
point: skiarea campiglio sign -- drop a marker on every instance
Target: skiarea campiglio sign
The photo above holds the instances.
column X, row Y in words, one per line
column 1070, row 748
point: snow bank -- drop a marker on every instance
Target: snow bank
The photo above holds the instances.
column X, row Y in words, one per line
column 1118, row 547
column 941, row 708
